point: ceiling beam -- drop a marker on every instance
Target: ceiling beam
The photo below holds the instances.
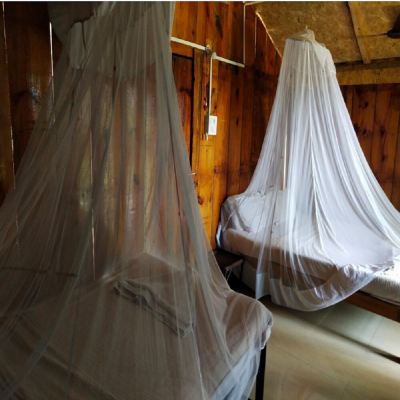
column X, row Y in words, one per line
column 379, row 72
column 357, row 65
column 359, row 29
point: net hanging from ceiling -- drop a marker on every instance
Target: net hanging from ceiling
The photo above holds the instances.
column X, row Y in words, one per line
column 108, row 289
column 313, row 214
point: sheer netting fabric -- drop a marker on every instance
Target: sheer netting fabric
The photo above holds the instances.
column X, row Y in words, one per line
column 314, row 216
column 108, row 289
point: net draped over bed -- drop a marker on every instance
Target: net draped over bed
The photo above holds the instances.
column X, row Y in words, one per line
column 318, row 220
column 108, row 289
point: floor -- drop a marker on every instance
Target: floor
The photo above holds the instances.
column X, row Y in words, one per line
column 340, row 353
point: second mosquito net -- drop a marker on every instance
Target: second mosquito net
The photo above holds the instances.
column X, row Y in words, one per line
column 313, row 215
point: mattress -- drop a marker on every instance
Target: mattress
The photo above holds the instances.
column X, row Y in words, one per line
column 385, row 286
column 243, row 315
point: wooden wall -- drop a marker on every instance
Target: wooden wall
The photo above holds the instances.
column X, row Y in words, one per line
column 375, row 112
column 222, row 165
column 25, row 72
column 241, row 98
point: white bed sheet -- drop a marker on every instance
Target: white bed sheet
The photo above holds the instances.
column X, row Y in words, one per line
column 244, row 315
column 385, row 286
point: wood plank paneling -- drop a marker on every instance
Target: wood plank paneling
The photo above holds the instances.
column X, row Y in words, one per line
column 384, row 140
column 235, row 132
column 363, row 114
column 222, row 164
column 29, row 66
column 6, row 147
column 375, row 112
column 183, row 73
column 221, row 108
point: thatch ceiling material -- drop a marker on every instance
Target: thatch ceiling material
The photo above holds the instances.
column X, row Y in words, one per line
column 354, row 32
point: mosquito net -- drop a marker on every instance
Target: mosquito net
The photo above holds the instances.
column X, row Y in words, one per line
column 313, row 215
column 107, row 287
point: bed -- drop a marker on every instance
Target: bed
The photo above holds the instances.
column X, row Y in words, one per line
column 381, row 296
column 243, row 315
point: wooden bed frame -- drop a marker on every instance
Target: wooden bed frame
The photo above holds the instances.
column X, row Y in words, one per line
column 362, row 300
column 375, row 305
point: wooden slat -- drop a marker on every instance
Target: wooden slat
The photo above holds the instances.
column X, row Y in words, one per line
column 185, row 21
column 183, row 73
column 236, row 46
column 396, row 175
column 385, row 136
column 6, row 152
column 29, row 67
column 221, row 142
column 197, row 117
column 205, row 172
column 235, row 132
column 363, row 115
column 347, row 92
column 222, row 23
column 200, row 28
column 181, row 50
column 250, row 26
column 247, row 130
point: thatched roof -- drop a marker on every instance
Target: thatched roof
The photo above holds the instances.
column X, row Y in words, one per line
column 354, row 32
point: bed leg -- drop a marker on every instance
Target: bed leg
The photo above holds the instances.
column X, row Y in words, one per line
column 261, row 375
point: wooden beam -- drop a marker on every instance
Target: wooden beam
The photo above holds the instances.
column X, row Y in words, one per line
column 376, row 64
column 376, row 72
column 359, row 29
column 368, row 76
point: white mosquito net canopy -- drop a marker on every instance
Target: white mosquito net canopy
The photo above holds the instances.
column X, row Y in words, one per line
column 314, row 215
column 107, row 287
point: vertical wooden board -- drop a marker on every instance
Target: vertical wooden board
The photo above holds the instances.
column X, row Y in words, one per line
column 264, row 96
column 6, row 151
column 210, row 25
column 260, row 62
column 363, row 115
column 202, row 150
column 267, row 59
column 185, row 20
column 235, row 131
column 250, row 38
column 208, row 171
column 205, row 184
column 197, row 117
column 201, row 23
column 277, row 66
column 395, row 196
column 271, row 55
column 236, row 33
column 221, row 142
column 247, row 129
column 222, row 28
column 385, row 135
column 183, row 74
column 347, row 92
column 29, row 67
